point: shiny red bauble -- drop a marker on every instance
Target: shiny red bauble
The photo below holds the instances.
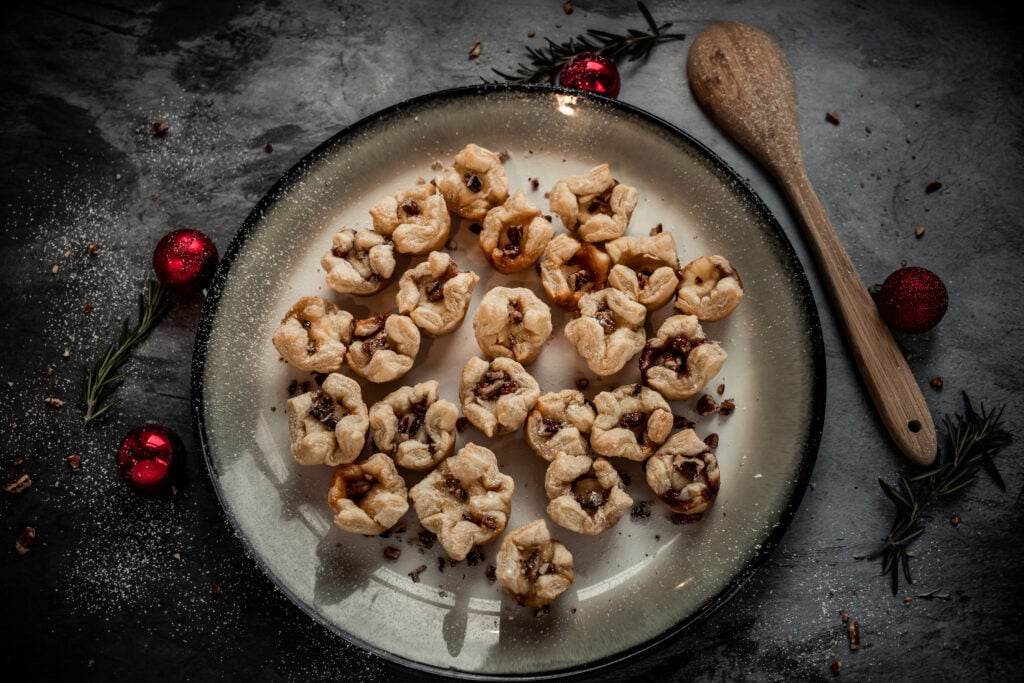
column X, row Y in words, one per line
column 150, row 457
column 912, row 300
column 185, row 260
column 593, row 73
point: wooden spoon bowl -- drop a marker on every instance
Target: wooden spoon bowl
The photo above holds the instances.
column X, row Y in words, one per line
column 740, row 77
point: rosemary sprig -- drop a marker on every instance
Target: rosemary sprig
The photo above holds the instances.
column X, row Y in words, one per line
column 101, row 381
column 974, row 439
column 545, row 63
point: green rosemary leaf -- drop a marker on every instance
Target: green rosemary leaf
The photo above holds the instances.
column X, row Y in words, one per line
column 973, row 439
column 544, row 64
column 100, row 383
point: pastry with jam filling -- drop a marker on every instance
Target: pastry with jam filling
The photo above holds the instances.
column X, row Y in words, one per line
column 416, row 220
column 369, row 497
column 594, row 205
column 359, row 263
column 680, row 359
column 570, row 268
column 609, row 330
column 498, row 395
column 709, row 288
column 560, row 423
column 684, row 474
column 436, row 294
column 645, row 267
column 514, row 234
column 384, row 347
column 328, row 426
column 474, row 183
column 533, row 568
column 512, row 322
column 632, row 421
column 314, row 335
column 414, row 427
column 587, row 495
column 465, row 500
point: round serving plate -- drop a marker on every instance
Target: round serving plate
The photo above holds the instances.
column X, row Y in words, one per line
column 637, row 583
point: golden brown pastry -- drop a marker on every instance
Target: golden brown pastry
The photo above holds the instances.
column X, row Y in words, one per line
column 369, row 497
column 680, row 359
column 532, row 567
column 314, row 335
column 684, row 474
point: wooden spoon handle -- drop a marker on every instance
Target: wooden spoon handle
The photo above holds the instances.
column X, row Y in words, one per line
column 889, row 379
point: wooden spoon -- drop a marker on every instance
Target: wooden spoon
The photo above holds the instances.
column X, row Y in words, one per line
column 742, row 80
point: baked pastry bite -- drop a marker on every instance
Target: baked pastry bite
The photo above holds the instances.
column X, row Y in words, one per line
column 684, row 474
column 412, row 426
column 436, row 294
column 587, row 495
column 609, row 331
column 358, row 262
column 512, row 322
column 416, row 220
column 474, row 183
column 497, row 396
column 570, row 268
column 314, row 335
column 369, row 497
column 679, row 360
column 594, row 204
column 514, row 234
column 709, row 288
column 384, row 347
column 560, row 423
column 632, row 421
column 328, row 426
column 465, row 500
column 645, row 267
column 533, row 568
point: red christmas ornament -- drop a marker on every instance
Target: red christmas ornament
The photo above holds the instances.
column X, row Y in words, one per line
column 185, row 260
column 150, row 456
column 593, row 73
column 912, row 300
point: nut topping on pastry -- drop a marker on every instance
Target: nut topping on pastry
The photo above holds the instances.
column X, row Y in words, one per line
column 709, row 288
column 587, row 495
column 359, row 262
column 532, row 567
column 680, row 359
column 570, row 268
column 369, row 497
column 383, row 347
column 512, row 323
column 313, row 335
column 609, row 331
column 474, row 183
column 328, row 426
column 465, row 500
column 684, row 474
column 514, row 234
column 595, row 205
column 416, row 220
column 497, row 396
column 632, row 421
column 436, row 294
column 414, row 427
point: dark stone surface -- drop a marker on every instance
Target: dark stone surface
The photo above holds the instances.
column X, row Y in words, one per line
column 118, row 587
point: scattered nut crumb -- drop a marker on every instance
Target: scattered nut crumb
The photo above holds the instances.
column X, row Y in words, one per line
column 711, row 440
column 74, row 461
column 415, row 573
column 832, row 118
column 567, row 7
column 680, row 422
column 53, row 402
column 836, row 666
column 451, row 245
column 25, row 540
column 705, row 405
column 657, row 230
column 18, row 483
column 474, row 51
column 392, row 553
column 933, row 186
column 727, row 407
column 55, row 269
column 268, row 148
column 67, row 352
column 460, row 424
column 88, row 307
column 159, row 129
column 853, row 631
column 937, row 382
column 214, row 588
column 641, row 510
column 955, row 519
column 531, row 33
column 582, row 383
column 919, row 232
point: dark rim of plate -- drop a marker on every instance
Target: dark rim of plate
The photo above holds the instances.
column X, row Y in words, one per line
column 812, row 436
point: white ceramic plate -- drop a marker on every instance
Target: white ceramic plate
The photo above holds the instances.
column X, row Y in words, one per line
column 637, row 583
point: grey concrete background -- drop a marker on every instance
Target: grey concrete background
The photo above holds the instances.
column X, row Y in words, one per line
column 117, row 587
